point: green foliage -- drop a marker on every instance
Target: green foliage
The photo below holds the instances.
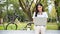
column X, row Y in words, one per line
column 58, row 10
column 12, row 1
column 52, row 26
column 10, row 12
column 4, row 14
column 53, row 12
column 58, row 26
column 57, row 1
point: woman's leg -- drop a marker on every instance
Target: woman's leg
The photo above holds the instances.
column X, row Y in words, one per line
column 43, row 29
column 37, row 29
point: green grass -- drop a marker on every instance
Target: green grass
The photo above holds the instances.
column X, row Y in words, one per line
column 1, row 27
column 49, row 26
column 52, row 26
column 21, row 25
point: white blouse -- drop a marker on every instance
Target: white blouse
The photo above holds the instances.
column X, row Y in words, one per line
column 44, row 14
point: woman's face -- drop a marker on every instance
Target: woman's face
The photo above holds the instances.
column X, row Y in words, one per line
column 39, row 8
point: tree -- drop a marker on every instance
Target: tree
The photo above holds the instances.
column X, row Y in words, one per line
column 57, row 6
column 28, row 6
column 1, row 12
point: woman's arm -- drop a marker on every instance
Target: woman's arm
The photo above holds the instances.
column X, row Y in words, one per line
column 46, row 15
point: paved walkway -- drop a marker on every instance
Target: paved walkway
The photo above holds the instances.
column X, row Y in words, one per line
column 27, row 32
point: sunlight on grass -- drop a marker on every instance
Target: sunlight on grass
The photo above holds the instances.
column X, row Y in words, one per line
column 52, row 26
column 21, row 25
column 1, row 27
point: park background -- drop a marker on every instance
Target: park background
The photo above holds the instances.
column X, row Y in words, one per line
column 21, row 12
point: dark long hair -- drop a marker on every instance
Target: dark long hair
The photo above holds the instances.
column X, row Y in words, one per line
column 37, row 9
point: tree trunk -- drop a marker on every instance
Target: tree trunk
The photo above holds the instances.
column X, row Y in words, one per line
column 29, row 15
column 1, row 20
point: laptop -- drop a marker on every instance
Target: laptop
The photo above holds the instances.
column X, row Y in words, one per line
column 40, row 21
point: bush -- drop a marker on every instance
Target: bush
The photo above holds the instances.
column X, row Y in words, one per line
column 58, row 26
column 53, row 19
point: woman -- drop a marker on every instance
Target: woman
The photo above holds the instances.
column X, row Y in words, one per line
column 39, row 13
